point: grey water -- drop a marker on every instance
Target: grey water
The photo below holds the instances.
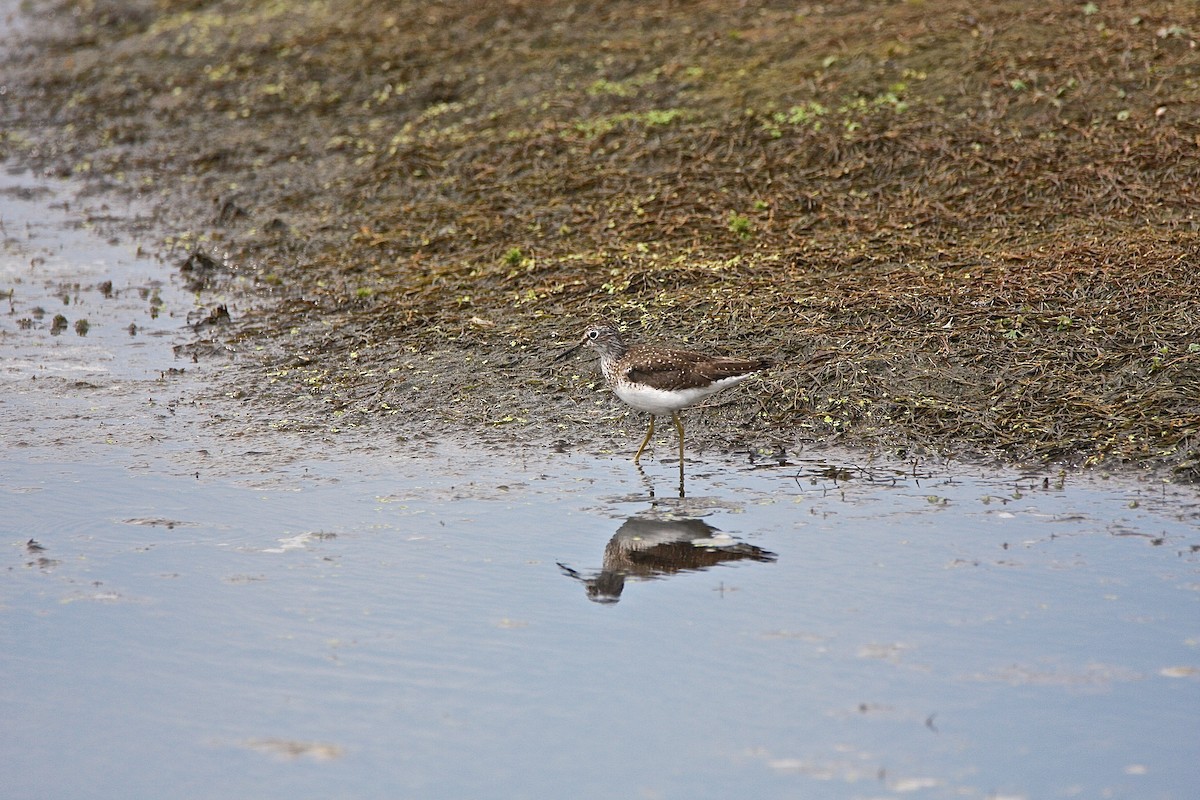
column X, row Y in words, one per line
column 190, row 612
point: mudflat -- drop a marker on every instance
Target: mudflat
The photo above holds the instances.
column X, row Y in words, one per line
column 958, row 228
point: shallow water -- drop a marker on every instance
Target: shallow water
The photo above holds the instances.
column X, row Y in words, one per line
column 190, row 613
column 399, row 626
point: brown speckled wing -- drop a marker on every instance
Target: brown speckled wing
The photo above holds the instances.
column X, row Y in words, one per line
column 672, row 370
column 716, row 369
column 669, row 370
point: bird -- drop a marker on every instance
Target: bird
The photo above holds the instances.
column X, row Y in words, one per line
column 659, row 380
column 650, row 547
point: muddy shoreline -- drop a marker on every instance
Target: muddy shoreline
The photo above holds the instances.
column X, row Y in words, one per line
column 962, row 231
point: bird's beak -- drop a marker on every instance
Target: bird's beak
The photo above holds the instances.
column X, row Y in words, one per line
column 569, row 351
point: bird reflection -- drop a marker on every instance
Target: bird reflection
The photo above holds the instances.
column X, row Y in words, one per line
column 647, row 548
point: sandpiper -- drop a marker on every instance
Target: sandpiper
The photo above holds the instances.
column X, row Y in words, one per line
column 659, row 380
column 649, row 547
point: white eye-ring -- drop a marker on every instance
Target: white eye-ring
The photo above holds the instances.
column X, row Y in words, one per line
column 593, row 334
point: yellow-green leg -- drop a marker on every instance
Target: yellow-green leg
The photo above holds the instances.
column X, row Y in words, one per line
column 645, row 441
column 679, row 427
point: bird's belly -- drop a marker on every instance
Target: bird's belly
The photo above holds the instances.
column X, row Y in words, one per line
column 657, row 401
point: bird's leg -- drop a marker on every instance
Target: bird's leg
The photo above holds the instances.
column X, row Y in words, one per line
column 679, row 427
column 645, row 441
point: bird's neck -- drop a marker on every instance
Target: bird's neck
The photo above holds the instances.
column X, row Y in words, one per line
column 613, row 350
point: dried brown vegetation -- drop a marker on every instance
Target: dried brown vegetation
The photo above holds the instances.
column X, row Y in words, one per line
column 969, row 226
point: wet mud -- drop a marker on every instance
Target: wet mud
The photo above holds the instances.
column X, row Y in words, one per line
column 960, row 230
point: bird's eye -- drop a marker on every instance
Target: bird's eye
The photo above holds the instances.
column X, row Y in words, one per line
column 593, row 334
